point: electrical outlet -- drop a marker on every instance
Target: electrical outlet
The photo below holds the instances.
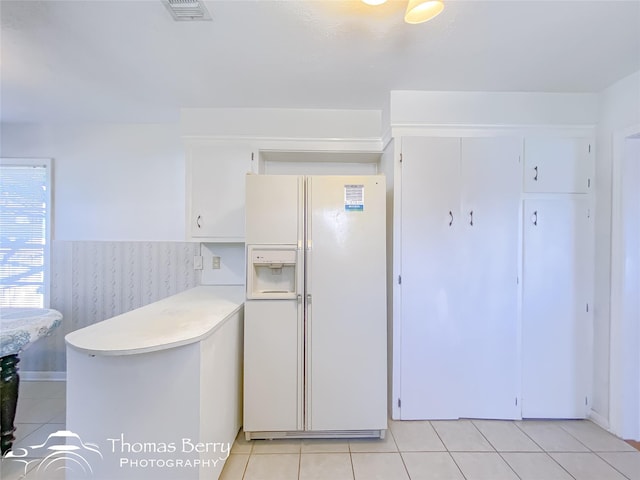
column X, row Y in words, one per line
column 197, row 262
column 215, row 262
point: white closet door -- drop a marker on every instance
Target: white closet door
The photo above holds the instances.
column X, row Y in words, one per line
column 555, row 321
column 430, row 335
column 488, row 288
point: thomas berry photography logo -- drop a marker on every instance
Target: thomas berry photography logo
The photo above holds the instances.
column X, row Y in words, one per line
column 61, row 451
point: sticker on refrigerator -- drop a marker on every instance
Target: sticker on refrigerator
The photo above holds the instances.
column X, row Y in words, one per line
column 354, row 198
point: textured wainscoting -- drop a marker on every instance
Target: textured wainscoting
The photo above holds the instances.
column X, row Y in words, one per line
column 93, row 281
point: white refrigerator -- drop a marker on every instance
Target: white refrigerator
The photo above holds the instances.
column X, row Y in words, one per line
column 315, row 347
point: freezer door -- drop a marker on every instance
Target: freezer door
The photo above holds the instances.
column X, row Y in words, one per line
column 346, row 384
column 274, row 209
column 273, row 366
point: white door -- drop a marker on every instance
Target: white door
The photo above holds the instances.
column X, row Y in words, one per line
column 346, row 304
column 556, row 307
column 431, row 339
column 487, row 288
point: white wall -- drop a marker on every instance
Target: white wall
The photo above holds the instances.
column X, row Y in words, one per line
column 111, row 181
column 492, row 108
column 281, row 123
column 619, row 109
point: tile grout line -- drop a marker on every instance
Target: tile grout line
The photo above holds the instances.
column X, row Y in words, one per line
column 401, row 456
column 353, row 470
column 246, row 465
column 589, row 448
column 496, row 450
column 545, row 451
column 610, row 464
column 448, row 451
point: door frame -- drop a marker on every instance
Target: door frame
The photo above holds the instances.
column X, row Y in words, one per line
column 624, row 373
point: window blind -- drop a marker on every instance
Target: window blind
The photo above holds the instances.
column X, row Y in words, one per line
column 24, row 204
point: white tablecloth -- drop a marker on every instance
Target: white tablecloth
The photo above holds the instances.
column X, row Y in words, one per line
column 20, row 327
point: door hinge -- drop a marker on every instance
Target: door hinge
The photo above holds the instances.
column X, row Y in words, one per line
column 399, row 403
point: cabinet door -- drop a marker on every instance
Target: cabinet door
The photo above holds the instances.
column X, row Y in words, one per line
column 216, row 191
column 557, row 165
column 487, row 289
column 555, row 318
column 431, row 367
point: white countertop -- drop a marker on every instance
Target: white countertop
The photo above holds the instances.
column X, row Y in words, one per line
column 181, row 319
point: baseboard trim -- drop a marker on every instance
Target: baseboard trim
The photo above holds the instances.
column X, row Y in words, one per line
column 35, row 376
column 598, row 419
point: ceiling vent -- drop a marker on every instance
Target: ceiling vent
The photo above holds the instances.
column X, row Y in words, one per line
column 187, row 9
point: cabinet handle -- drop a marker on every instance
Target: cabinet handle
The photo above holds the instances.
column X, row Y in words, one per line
column 471, row 218
column 451, row 215
column 535, row 177
column 534, row 218
column 198, row 221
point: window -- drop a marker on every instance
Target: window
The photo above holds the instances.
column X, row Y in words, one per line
column 25, row 203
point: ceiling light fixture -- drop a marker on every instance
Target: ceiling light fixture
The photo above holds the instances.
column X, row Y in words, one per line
column 418, row 11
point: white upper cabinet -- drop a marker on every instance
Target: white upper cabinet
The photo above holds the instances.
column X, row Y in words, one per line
column 216, row 191
column 558, row 165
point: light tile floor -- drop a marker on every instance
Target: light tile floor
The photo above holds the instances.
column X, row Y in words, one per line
column 416, row 450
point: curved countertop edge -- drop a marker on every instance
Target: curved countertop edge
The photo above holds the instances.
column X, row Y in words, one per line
column 232, row 297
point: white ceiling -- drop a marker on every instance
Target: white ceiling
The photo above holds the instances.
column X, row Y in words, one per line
column 129, row 61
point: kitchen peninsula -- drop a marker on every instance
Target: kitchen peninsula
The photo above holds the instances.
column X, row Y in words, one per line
column 158, row 389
